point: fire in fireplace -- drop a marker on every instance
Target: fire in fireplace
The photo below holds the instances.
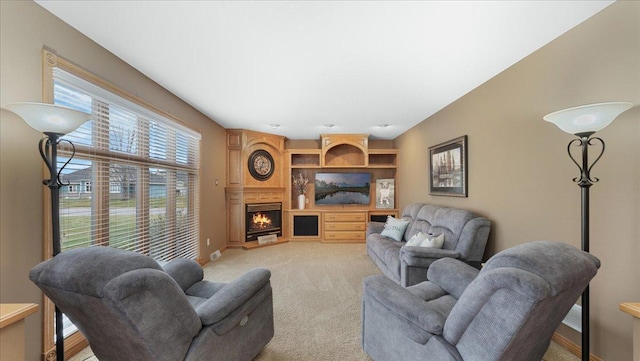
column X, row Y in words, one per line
column 263, row 219
column 260, row 221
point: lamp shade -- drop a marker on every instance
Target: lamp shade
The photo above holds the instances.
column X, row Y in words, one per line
column 587, row 118
column 49, row 118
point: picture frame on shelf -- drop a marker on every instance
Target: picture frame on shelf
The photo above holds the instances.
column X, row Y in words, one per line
column 448, row 168
column 385, row 193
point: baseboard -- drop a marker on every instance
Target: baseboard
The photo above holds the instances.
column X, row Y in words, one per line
column 73, row 344
column 572, row 347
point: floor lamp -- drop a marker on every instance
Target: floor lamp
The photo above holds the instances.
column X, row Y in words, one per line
column 583, row 122
column 54, row 121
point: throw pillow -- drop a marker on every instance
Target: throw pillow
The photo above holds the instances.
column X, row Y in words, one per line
column 394, row 228
column 433, row 241
column 416, row 240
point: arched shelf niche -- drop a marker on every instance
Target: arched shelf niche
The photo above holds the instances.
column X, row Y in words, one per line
column 344, row 150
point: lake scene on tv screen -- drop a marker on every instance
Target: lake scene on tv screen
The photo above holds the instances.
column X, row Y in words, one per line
column 342, row 188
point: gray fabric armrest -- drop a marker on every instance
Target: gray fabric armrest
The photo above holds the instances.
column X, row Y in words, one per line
column 452, row 275
column 482, row 291
column 424, row 256
column 186, row 272
column 473, row 239
column 233, row 295
column 144, row 291
column 404, row 305
column 375, row 227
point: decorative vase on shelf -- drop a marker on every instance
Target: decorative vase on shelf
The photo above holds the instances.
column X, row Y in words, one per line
column 301, row 201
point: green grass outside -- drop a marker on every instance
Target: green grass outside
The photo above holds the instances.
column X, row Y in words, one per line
column 119, row 228
column 76, row 230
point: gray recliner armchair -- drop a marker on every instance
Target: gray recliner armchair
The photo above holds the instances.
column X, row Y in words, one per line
column 130, row 308
column 506, row 311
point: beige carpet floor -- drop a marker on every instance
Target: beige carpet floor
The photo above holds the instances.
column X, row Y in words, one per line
column 317, row 290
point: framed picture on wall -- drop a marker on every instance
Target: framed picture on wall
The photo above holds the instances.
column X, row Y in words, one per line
column 448, row 168
column 385, row 193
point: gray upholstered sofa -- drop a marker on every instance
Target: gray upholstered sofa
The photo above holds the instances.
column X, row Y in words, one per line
column 506, row 311
column 130, row 308
column 465, row 238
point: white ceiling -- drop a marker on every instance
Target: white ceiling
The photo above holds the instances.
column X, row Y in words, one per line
column 304, row 64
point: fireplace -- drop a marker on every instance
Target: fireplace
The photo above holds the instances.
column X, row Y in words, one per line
column 263, row 219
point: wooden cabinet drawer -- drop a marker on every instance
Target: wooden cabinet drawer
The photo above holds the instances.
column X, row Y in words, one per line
column 345, row 217
column 344, row 226
column 344, row 235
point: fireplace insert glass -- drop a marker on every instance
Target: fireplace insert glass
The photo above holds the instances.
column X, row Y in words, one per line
column 263, row 219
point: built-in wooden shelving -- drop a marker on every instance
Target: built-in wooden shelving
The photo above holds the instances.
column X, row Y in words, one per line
column 338, row 153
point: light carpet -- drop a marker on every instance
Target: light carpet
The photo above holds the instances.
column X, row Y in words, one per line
column 317, row 289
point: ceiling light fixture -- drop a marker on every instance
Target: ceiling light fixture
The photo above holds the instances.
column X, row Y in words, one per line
column 274, row 126
column 328, row 125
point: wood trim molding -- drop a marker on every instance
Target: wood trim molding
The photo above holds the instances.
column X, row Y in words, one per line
column 72, row 345
column 571, row 347
column 51, row 60
column 360, row 141
column 75, row 342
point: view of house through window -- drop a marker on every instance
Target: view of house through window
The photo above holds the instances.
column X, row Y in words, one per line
column 133, row 181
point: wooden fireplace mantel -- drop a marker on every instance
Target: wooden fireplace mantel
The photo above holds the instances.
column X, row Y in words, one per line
column 241, row 187
column 236, row 200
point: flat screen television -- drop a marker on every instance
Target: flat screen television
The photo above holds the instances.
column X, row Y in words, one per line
column 342, row 188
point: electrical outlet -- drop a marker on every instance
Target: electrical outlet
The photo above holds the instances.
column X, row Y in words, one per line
column 208, row 242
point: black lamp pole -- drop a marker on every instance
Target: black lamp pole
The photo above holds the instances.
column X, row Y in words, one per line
column 583, row 121
column 585, row 182
column 54, row 121
column 48, row 148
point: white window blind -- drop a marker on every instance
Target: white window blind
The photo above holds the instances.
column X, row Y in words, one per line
column 133, row 182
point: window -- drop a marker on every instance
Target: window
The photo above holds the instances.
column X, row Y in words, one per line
column 70, row 188
column 114, row 187
column 139, row 176
column 134, row 178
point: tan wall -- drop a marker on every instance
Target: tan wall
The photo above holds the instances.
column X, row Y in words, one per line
column 25, row 29
column 520, row 174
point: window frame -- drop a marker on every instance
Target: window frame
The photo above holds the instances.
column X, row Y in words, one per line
column 76, row 342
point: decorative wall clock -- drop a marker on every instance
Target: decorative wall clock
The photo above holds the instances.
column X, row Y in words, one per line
column 261, row 165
